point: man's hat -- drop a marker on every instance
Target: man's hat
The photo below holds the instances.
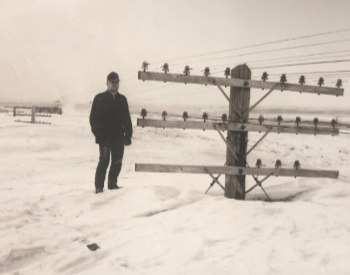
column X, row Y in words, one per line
column 113, row 77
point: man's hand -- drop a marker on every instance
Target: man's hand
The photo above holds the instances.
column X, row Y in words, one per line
column 127, row 141
column 100, row 139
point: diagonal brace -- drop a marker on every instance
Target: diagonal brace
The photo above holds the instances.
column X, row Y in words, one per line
column 216, row 180
column 265, row 193
column 261, row 99
column 211, row 185
column 256, row 144
column 228, row 99
column 258, row 183
column 231, row 147
column 213, row 182
column 223, row 92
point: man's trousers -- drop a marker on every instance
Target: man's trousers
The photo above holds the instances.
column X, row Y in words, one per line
column 115, row 149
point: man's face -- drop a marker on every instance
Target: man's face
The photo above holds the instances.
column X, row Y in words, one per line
column 113, row 85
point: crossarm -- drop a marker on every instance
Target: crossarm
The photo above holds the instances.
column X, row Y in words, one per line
column 231, row 170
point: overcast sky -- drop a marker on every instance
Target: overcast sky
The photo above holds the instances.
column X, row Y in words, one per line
column 64, row 49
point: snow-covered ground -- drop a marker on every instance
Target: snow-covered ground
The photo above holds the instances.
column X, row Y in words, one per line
column 164, row 223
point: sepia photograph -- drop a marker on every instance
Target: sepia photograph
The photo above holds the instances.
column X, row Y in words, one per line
column 158, row 137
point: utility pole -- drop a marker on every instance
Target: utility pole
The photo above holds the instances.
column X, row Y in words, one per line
column 237, row 127
column 239, row 104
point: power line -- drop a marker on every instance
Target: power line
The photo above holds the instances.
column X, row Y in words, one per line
column 221, row 70
column 314, row 72
column 260, row 44
column 314, row 79
column 216, row 71
column 304, row 57
column 316, row 75
column 301, row 64
column 273, row 50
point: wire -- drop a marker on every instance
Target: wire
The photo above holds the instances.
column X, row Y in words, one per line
column 290, row 57
column 301, row 64
column 308, row 77
column 317, row 75
column 260, row 44
column 301, row 59
column 314, row 72
column 273, row 50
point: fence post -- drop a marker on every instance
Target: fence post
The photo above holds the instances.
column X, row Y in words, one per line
column 239, row 101
column 33, row 114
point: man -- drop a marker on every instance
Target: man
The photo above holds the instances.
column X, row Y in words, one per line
column 111, row 124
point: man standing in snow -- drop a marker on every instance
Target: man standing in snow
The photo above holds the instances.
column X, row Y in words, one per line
column 111, row 124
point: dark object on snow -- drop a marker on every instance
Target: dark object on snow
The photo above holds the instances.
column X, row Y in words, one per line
column 258, row 163
column 93, row 247
column 302, row 80
column 297, row 120
column 296, row 164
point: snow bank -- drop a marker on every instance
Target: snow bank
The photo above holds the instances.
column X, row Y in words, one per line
column 163, row 223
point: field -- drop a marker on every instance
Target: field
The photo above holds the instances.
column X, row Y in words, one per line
column 164, row 223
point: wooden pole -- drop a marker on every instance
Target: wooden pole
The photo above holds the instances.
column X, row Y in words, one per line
column 33, row 114
column 239, row 100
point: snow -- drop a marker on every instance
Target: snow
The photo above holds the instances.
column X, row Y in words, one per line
column 164, row 223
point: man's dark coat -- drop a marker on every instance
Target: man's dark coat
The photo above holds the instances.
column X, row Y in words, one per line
column 110, row 117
